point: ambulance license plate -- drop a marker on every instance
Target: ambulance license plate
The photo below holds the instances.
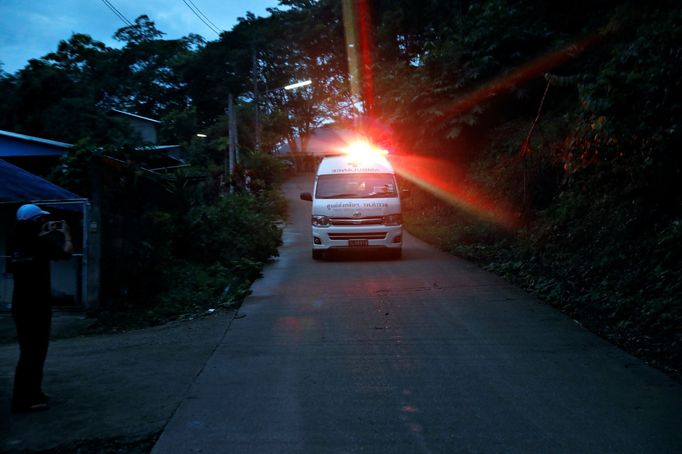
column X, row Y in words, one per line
column 358, row 243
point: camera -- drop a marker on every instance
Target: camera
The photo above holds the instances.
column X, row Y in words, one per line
column 54, row 226
column 57, row 225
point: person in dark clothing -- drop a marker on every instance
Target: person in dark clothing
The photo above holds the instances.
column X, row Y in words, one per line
column 35, row 243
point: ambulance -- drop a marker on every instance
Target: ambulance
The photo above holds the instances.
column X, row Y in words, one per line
column 356, row 204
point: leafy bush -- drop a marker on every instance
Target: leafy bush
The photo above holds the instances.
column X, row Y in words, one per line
column 239, row 225
column 265, row 171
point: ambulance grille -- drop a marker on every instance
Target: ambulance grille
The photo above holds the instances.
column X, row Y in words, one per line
column 378, row 220
column 358, row 236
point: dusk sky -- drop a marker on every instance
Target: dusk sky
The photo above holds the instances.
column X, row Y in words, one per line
column 33, row 28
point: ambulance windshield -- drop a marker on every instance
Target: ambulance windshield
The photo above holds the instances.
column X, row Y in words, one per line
column 356, row 186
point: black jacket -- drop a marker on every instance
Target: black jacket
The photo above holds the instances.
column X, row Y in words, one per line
column 30, row 258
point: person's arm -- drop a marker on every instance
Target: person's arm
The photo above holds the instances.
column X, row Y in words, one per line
column 68, row 245
column 55, row 244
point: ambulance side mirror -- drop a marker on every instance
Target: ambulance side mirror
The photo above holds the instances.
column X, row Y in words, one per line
column 306, row 196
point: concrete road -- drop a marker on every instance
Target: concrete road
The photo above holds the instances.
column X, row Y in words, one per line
column 428, row 354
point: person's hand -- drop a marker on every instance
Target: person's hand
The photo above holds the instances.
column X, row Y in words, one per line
column 65, row 228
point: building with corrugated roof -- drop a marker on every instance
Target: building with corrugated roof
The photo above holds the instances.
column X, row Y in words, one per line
column 143, row 126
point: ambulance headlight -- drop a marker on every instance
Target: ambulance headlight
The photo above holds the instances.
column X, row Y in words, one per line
column 393, row 219
column 321, row 221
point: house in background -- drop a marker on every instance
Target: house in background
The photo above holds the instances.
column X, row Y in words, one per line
column 145, row 127
column 152, row 156
column 331, row 138
column 323, row 141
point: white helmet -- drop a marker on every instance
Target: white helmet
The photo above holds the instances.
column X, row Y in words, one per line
column 29, row 211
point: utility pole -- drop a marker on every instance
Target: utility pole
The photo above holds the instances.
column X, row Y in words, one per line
column 256, row 96
column 232, row 142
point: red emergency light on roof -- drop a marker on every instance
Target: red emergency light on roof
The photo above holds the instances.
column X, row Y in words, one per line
column 363, row 150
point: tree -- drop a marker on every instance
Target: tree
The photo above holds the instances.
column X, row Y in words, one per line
column 303, row 42
column 78, row 55
column 143, row 30
column 150, row 69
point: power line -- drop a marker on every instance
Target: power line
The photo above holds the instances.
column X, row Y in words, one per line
column 117, row 12
column 204, row 15
column 199, row 14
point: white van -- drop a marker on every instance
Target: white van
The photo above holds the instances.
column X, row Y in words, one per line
column 356, row 205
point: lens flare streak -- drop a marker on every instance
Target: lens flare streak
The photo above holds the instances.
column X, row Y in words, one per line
column 437, row 177
column 522, row 74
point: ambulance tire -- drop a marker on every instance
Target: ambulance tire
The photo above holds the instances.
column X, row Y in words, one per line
column 317, row 254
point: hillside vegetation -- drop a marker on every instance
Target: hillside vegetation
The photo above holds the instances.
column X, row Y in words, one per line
column 597, row 189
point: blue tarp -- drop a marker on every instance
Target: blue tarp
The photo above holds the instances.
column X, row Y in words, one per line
column 20, row 186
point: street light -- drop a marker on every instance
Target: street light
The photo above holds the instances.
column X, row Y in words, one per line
column 287, row 87
column 232, row 155
column 298, row 84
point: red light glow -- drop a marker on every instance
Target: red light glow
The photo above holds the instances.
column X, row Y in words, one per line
column 436, row 177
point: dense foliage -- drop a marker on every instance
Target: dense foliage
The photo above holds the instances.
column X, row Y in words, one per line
column 565, row 114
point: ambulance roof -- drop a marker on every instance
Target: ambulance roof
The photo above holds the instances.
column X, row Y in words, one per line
column 349, row 164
